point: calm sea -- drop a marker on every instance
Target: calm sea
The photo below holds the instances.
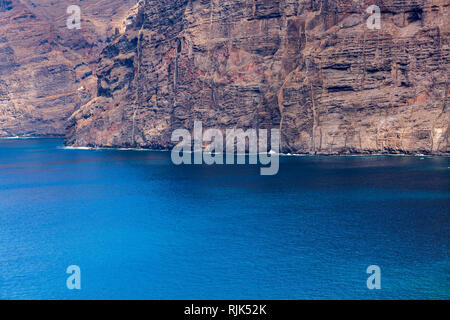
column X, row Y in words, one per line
column 141, row 228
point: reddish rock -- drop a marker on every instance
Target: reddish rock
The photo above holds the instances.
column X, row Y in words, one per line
column 47, row 70
column 311, row 68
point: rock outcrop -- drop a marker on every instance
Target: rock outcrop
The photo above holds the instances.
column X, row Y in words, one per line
column 47, row 70
column 312, row 68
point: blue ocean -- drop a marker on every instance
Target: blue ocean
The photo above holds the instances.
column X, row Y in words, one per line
column 140, row 227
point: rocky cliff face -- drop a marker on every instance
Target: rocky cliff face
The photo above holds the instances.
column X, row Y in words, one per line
column 47, row 70
column 309, row 67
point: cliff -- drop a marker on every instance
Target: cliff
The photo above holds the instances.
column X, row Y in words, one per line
column 46, row 70
column 309, row 67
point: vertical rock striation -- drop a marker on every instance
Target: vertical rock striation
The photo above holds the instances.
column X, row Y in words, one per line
column 309, row 67
column 47, row 70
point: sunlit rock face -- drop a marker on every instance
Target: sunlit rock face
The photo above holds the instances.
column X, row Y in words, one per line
column 47, row 70
column 309, row 67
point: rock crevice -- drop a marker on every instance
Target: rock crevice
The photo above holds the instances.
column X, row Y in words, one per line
column 309, row 67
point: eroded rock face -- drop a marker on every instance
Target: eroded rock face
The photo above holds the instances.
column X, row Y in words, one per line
column 47, row 70
column 309, row 67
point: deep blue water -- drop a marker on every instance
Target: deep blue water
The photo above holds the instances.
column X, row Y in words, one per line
column 142, row 228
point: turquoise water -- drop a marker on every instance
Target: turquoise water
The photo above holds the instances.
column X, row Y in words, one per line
column 142, row 228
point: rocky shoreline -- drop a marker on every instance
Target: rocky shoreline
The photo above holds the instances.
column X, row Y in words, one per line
column 344, row 153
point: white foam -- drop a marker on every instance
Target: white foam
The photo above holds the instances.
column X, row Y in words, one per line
column 18, row 138
column 112, row 149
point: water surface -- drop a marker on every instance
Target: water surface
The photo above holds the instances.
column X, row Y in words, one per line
column 142, row 228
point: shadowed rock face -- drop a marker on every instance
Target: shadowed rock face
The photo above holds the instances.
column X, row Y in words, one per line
column 47, row 70
column 309, row 67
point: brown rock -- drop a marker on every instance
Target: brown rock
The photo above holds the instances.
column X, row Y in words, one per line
column 309, row 67
column 47, row 70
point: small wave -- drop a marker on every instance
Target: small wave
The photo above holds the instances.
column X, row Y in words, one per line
column 17, row 138
column 110, row 149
